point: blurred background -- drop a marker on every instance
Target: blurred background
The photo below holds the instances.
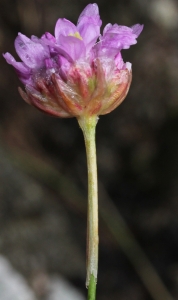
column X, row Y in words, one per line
column 43, row 176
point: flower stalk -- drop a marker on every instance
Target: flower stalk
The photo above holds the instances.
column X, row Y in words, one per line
column 88, row 125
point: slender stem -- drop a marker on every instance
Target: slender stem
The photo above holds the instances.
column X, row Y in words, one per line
column 41, row 170
column 88, row 125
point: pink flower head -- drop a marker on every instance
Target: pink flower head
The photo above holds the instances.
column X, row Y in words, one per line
column 77, row 71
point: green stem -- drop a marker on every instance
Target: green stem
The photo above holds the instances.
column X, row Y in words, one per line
column 88, row 125
column 92, row 288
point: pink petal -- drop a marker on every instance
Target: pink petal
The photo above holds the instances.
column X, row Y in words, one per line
column 31, row 53
column 91, row 10
column 137, row 29
column 64, row 27
column 72, row 46
column 24, row 73
column 89, row 24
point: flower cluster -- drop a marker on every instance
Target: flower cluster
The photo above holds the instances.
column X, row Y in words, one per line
column 77, row 71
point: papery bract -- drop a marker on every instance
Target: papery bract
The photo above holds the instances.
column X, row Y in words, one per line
column 77, row 71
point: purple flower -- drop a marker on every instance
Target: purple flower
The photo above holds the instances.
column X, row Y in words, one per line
column 77, row 71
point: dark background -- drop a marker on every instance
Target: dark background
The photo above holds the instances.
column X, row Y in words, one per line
column 43, row 176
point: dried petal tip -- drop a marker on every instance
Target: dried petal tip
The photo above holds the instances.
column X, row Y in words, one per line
column 77, row 71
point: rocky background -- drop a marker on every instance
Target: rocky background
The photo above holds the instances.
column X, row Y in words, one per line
column 43, row 175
